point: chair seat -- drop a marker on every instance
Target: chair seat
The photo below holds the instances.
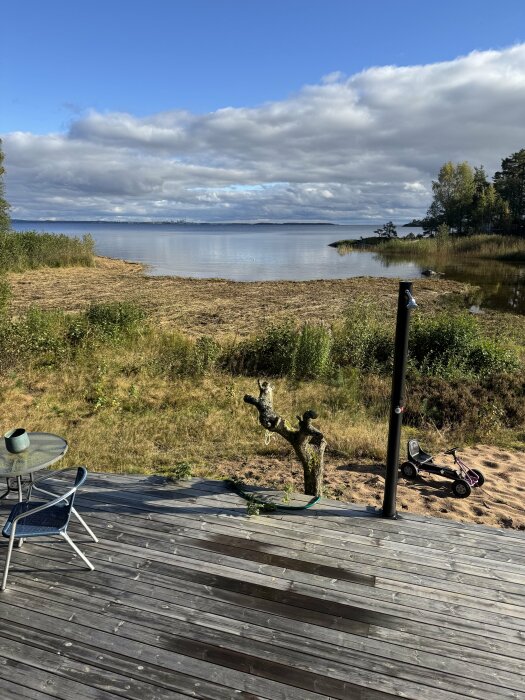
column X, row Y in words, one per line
column 51, row 521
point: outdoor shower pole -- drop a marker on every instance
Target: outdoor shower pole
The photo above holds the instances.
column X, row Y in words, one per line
column 405, row 303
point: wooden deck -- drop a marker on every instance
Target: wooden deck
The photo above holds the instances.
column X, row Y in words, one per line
column 191, row 598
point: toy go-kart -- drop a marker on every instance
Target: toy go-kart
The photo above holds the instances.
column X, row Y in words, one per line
column 464, row 479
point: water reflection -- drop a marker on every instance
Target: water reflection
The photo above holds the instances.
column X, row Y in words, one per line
column 499, row 285
column 502, row 285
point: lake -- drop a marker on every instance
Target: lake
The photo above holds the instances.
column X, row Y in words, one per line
column 245, row 252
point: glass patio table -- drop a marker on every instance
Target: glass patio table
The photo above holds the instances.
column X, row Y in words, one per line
column 44, row 450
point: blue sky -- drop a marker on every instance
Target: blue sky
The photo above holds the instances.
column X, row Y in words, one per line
column 95, row 74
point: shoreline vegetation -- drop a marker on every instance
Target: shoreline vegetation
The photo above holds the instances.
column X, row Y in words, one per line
column 148, row 374
column 486, row 246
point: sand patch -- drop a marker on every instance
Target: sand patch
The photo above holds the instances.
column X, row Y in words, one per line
column 500, row 502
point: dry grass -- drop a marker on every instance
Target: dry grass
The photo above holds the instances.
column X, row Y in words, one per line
column 209, row 306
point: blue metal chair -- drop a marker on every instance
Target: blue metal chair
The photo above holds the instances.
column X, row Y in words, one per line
column 44, row 519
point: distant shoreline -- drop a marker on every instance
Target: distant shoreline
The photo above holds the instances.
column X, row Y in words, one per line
column 182, row 223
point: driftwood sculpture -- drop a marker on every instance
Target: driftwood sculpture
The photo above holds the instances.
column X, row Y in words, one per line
column 308, row 442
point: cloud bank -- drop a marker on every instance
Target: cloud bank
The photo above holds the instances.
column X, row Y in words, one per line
column 355, row 149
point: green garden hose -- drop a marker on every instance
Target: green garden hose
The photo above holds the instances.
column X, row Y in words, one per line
column 264, row 504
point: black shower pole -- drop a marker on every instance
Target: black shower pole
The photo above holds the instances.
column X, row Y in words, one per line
column 405, row 303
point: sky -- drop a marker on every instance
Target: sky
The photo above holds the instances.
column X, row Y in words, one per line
column 250, row 110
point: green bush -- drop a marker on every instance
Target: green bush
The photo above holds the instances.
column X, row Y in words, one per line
column 26, row 250
column 50, row 337
column 5, row 295
column 452, row 346
column 112, row 320
column 364, row 340
column 466, row 406
column 179, row 356
column 283, row 350
column 312, row 358
column 39, row 335
column 207, row 352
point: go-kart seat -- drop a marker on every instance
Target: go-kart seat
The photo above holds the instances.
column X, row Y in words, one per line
column 416, row 454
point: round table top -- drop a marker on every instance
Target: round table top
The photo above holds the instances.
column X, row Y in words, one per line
column 44, row 449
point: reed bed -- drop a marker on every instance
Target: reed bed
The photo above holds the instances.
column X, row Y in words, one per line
column 442, row 249
column 28, row 250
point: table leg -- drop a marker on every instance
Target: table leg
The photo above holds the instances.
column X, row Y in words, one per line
column 20, row 496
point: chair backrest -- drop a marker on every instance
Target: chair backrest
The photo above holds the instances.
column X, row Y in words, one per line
column 413, row 448
column 79, row 480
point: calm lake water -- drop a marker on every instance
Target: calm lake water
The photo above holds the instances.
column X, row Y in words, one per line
column 274, row 252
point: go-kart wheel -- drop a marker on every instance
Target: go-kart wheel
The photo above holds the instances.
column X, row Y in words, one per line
column 481, row 478
column 409, row 470
column 461, row 488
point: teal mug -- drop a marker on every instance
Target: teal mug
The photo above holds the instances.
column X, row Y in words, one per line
column 16, row 440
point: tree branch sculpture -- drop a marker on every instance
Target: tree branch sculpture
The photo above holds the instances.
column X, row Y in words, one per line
column 308, row 442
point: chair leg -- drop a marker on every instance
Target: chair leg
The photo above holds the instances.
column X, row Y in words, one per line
column 77, row 550
column 20, row 543
column 8, row 559
column 84, row 525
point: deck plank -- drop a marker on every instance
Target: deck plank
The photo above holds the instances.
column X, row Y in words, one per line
column 192, row 598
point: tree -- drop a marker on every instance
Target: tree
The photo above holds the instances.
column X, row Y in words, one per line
column 488, row 211
column 308, row 442
column 453, row 197
column 510, row 185
column 387, row 231
column 5, row 221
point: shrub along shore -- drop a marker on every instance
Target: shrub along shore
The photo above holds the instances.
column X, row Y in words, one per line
column 441, row 248
column 131, row 394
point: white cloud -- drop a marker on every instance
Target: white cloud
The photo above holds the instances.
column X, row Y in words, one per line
column 348, row 149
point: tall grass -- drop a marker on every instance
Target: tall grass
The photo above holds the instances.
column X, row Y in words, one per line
column 133, row 395
column 442, row 248
column 285, row 350
column 480, row 246
column 28, row 250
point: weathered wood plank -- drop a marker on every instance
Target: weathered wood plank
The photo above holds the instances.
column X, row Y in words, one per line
column 497, row 624
column 300, row 671
column 13, row 690
column 261, row 548
column 267, row 539
column 281, row 631
column 345, row 615
column 452, row 597
column 329, row 602
column 433, row 525
column 54, row 679
column 336, row 529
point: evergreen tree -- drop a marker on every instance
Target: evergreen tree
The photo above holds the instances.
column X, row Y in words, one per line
column 5, row 221
column 387, row 231
column 510, row 185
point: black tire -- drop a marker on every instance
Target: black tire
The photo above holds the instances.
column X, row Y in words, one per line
column 461, row 488
column 481, row 478
column 409, row 470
